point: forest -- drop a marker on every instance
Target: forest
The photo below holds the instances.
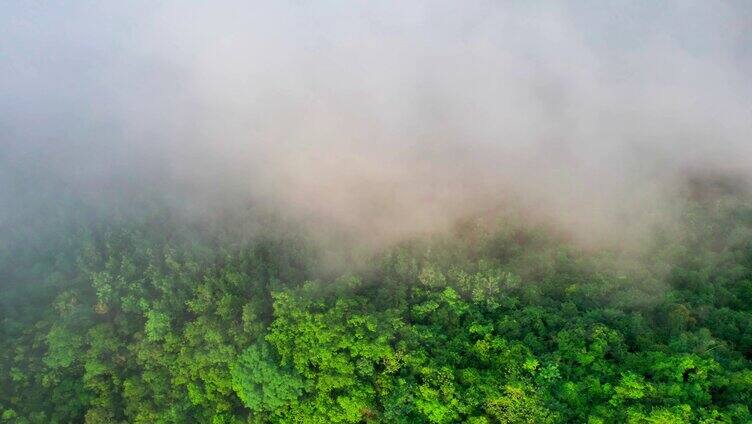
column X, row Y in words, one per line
column 154, row 317
column 367, row 212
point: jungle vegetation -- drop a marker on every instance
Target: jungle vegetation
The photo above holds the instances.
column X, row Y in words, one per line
column 151, row 317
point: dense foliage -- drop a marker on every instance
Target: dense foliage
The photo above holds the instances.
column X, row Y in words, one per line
column 159, row 320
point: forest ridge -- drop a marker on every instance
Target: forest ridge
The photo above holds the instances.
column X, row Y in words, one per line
column 155, row 319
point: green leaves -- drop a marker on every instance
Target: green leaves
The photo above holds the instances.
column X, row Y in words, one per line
column 502, row 327
column 261, row 384
column 337, row 352
column 519, row 405
column 157, row 325
column 63, row 347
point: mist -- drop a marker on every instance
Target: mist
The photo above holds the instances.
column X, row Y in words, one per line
column 375, row 212
column 383, row 120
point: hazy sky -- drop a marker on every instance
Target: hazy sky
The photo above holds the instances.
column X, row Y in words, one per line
column 394, row 115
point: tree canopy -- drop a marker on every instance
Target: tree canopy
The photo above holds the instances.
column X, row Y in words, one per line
column 159, row 320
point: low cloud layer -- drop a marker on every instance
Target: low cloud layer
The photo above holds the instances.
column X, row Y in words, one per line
column 383, row 118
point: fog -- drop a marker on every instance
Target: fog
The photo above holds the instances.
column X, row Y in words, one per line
column 382, row 119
